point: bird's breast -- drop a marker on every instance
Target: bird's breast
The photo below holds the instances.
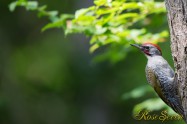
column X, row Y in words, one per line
column 150, row 76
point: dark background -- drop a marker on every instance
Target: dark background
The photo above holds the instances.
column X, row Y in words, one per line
column 47, row 78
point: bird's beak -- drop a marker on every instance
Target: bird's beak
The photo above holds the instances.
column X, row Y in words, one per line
column 137, row 46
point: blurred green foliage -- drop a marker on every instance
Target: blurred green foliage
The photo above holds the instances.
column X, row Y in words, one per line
column 152, row 104
column 106, row 22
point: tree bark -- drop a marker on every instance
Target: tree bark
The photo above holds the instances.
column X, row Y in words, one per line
column 177, row 20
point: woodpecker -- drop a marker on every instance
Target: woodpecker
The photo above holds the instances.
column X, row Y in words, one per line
column 161, row 76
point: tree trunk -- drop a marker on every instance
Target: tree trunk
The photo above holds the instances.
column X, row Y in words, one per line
column 177, row 19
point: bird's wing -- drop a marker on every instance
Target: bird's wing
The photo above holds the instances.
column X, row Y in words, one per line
column 168, row 92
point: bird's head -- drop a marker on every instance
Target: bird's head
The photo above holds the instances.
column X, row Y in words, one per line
column 149, row 49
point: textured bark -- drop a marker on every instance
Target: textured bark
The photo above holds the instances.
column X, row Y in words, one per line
column 177, row 19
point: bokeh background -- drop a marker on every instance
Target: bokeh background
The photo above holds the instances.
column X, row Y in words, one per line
column 49, row 78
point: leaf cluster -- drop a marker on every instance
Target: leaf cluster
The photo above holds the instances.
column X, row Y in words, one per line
column 106, row 22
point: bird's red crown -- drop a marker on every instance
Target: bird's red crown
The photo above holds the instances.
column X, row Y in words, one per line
column 155, row 45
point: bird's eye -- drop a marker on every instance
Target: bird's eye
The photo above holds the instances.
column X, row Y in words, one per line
column 146, row 48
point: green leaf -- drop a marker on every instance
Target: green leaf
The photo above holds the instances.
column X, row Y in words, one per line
column 103, row 11
column 81, row 12
column 164, row 34
column 59, row 23
column 29, row 5
column 137, row 92
column 150, row 104
column 53, row 15
column 32, row 5
column 131, row 5
column 127, row 15
column 93, row 48
column 12, row 6
column 42, row 8
column 56, row 24
column 100, row 2
column 100, row 30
